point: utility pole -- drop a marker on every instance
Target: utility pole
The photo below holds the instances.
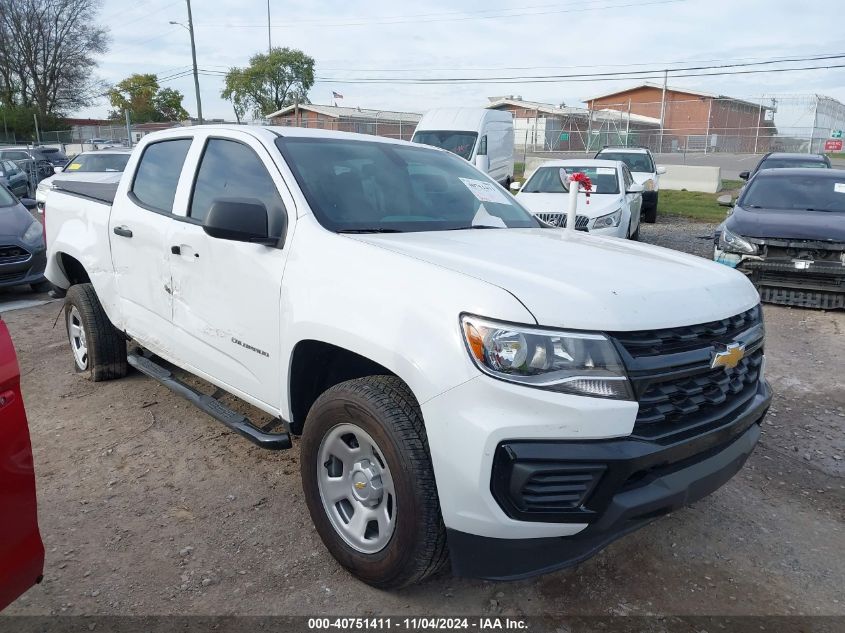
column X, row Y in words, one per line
column 663, row 109
column 194, row 56
column 37, row 133
column 269, row 41
column 128, row 128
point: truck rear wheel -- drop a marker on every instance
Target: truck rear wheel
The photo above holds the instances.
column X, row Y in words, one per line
column 369, row 483
column 99, row 350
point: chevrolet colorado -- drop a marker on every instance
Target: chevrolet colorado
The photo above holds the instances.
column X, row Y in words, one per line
column 469, row 385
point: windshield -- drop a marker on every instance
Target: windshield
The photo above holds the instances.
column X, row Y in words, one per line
column 547, row 179
column 6, row 198
column 800, row 193
column 98, row 162
column 460, row 143
column 786, row 163
column 634, row 161
column 363, row 186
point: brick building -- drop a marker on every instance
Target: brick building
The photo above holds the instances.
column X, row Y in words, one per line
column 399, row 125
column 695, row 120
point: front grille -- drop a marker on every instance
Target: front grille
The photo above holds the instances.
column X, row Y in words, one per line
column 681, row 339
column 7, row 277
column 11, row 254
column 699, row 400
column 679, row 393
column 801, row 279
column 559, row 219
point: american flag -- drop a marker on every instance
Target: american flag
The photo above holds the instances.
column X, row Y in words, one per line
column 336, row 95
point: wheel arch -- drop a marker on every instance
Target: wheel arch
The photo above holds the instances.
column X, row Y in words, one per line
column 72, row 269
column 315, row 367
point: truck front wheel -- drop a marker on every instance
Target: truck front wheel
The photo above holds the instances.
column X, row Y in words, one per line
column 369, row 483
column 99, row 350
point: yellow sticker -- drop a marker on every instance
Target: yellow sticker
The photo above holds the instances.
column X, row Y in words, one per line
column 73, row 166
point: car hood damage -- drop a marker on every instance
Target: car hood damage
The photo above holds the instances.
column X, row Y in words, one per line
column 576, row 280
column 787, row 224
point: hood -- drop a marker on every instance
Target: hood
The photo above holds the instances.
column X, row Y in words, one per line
column 14, row 221
column 558, row 203
column 85, row 176
column 581, row 281
column 641, row 177
column 787, row 224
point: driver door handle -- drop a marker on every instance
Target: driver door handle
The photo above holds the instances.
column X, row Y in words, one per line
column 122, row 231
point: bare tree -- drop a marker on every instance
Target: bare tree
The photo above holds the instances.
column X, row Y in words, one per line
column 47, row 54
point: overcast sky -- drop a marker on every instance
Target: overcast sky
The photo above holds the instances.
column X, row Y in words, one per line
column 441, row 38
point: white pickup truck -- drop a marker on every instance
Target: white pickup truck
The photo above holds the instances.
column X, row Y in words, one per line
column 469, row 384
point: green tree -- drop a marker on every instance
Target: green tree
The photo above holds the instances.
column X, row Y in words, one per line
column 145, row 100
column 270, row 82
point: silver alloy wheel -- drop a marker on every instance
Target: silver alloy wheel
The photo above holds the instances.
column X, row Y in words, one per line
column 76, row 335
column 356, row 488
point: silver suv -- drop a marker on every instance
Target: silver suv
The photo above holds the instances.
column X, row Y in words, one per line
column 641, row 163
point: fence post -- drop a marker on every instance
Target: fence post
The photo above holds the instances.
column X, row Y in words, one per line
column 128, row 128
column 663, row 109
column 757, row 131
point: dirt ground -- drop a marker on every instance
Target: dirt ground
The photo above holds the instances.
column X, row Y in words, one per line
column 148, row 506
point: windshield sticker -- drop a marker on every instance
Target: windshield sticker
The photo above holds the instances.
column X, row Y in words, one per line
column 74, row 166
column 839, row 187
column 485, row 191
column 606, row 171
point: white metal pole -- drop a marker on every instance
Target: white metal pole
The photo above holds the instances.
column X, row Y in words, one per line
column 663, row 109
column 573, row 205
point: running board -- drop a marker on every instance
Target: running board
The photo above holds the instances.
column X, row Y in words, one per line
column 211, row 406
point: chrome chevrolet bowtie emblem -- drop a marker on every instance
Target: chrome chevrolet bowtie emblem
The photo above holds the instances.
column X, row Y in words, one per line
column 729, row 358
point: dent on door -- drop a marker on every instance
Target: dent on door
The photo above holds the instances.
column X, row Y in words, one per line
column 21, row 549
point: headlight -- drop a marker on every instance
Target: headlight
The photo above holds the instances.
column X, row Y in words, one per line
column 608, row 221
column 34, row 233
column 556, row 360
column 733, row 243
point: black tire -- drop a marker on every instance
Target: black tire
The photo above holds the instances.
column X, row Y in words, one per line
column 106, row 347
column 650, row 212
column 384, row 408
column 41, row 286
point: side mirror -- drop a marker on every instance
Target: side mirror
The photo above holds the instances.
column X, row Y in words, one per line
column 58, row 170
column 515, row 186
column 239, row 221
column 660, row 170
column 29, row 203
column 635, row 188
column 744, row 175
column 482, row 162
column 725, row 201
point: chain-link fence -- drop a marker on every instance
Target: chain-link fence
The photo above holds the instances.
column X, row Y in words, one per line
column 391, row 127
column 684, row 123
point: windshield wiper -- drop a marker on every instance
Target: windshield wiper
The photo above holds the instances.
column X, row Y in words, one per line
column 475, row 226
column 371, row 230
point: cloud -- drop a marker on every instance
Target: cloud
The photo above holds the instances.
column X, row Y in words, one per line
column 443, row 36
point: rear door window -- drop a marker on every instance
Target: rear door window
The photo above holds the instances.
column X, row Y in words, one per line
column 158, row 174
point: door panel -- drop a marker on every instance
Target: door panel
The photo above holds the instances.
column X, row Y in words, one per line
column 21, row 549
column 138, row 228
column 226, row 294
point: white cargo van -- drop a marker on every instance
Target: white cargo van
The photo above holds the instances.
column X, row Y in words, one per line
column 481, row 136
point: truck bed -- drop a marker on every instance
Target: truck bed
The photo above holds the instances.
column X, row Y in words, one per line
column 99, row 191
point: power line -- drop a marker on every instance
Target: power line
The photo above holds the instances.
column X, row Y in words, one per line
column 608, row 76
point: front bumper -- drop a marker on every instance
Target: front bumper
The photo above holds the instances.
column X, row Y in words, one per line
column 639, row 481
column 25, row 265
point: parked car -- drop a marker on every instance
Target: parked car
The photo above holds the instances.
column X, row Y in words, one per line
column 94, row 166
column 22, row 248
column 481, row 136
column 21, row 548
column 468, row 382
column 612, row 208
column 103, row 143
column 34, row 164
column 54, row 155
column 787, row 234
column 14, row 179
column 641, row 163
column 786, row 160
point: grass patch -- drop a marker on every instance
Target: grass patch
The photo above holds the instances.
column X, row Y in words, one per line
column 518, row 171
column 696, row 205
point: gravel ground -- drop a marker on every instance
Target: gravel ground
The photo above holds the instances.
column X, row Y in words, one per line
column 681, row 234
column 148, row 506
